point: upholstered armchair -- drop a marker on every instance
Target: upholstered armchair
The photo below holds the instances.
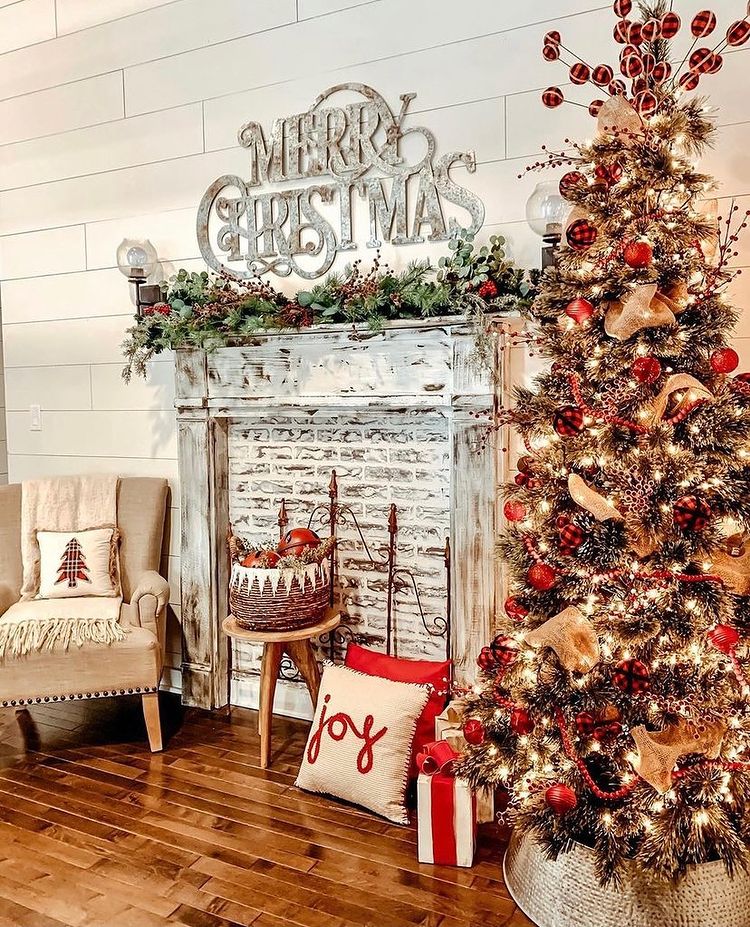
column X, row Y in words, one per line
column 96, row 670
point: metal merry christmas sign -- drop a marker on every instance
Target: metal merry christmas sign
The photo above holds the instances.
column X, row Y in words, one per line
column 352, row 157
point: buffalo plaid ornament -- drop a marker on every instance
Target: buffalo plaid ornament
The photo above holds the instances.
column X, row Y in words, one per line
column 670, row 25
column 581, row 234
column 703, row 24
column 631, row 677
column 631, row 66
column 689, row 80
column 635, row 33
column 552, row 38
column 595, row 106
column 700, row 60
column 602, row 75
column 572, row 536
column 651, row 30
column 504, row 649
column 738, row 33
column 662, row 71
column 514, row 608
column 550, row 52
column 568, row 421
column 620, row 32
column 486, row 659
column 585, row 724
column 622, row 7
column 691, row 514
column 645, row 103
column 579, row 73
column 570, row 182
column 552, row 97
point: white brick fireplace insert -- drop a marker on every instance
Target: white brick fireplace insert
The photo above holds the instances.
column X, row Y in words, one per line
column 392, row 413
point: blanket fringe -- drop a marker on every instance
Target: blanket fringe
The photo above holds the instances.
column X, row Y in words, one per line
column 18, row 638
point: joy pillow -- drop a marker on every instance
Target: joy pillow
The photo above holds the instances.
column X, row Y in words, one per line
column 359, row 747
column 77, row 563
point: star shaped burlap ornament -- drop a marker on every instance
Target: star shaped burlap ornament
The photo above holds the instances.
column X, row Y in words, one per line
column 617, row 114
column 573, row 638
column 659, row 751
column 643, row 308
column 589, row 499
column 694, row 390
column 709, row 210
column 732, row 563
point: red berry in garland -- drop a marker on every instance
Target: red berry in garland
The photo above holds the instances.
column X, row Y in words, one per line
column 561, row 798
column 514, row 609
column 580, row 310
column 541, row 577
column 646, row 369
column 723, row 637
column 505, row 650
column 474, row 731
column 581, row 234
column 488, row 290
column 691, row 514
column 568, row 421
column 631, row 676
column 514, row 510
column 725, row 360
column 638, row 254
column 520, row 721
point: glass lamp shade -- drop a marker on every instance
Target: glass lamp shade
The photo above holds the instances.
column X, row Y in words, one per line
column 136, row 259
column 546, row 209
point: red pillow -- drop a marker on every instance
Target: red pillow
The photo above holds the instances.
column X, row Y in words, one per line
column 436, row 673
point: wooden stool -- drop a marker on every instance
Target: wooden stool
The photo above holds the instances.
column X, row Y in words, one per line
column 275, row 644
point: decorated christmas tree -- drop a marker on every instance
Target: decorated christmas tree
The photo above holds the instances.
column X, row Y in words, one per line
column 614, row 703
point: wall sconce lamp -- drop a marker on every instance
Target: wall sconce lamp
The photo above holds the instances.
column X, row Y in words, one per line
column 545, row 213
column 138, row 260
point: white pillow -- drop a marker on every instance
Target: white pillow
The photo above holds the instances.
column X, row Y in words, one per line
column 75, row 563
column 359, row 747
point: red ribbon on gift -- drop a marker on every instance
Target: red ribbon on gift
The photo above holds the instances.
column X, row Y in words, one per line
column 437, row 757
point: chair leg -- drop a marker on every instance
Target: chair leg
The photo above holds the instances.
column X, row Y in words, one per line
column 153, row 722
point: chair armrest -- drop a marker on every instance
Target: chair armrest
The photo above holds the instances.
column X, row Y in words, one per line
column 8, row 597
column 150, row 599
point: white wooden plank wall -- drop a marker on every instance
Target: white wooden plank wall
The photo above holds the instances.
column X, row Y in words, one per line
column 116, row 114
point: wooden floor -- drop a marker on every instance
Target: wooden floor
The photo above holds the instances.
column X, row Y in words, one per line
column 97, row 832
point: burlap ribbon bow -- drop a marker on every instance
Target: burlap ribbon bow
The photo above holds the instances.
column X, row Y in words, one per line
column 573, row 638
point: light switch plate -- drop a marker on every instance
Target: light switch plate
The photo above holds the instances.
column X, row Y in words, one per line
column 36, row 418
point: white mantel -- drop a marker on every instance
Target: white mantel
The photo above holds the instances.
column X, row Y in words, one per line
column 408, row 373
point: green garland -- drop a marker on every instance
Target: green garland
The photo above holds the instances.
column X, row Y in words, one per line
column 208, row 311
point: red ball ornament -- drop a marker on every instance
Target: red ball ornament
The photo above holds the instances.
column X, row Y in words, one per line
column 520, row 722
column 662, row 71
column 651, row 30
column 514, row 609
column 738, row 33
column 581, row 234
column 703, row 24
column 649, row 63
column 691, row 513
column 595, row 106
column 701, row 60
column 514, row 510
column 562, row 520
column 602, row 75
column 550, row 52
column 585, row 724
column 552, row 38
column 724, row 360
column 541, row 577
column 474, row 731
column 621, row 30
column 638, row 254
column 568, row 421
column 579, row 73
column 297, row 541
column 561, row 798
column 570, row 181
column 486, row 659
column 646, row 103
column 716, row 63
column 723, row 637
column 505, row 650
column 617, row 87
column 552, row 97
column 646, row 369
column 631, row 676
column 261, row 559
column 580, row 310
column 622, row 7
column 525, row 463
column 670, row 25
column 689, row 80
column 635, row 33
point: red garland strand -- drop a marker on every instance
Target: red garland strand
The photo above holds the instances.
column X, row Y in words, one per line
column 575, row 385
column 583, row 769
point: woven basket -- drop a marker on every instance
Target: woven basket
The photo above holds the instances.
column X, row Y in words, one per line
column 279, row 600
column 566, row 893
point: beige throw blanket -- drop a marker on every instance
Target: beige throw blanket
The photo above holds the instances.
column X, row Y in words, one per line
column 61, row 504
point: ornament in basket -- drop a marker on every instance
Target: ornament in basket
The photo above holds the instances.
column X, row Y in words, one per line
column 282, row 589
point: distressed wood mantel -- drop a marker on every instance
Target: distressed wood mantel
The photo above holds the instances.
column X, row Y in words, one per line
column 409, row 366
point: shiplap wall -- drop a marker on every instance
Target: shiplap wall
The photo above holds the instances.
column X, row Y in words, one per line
column 115, row 115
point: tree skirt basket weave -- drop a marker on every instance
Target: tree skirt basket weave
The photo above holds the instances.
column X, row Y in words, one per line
column 566, row 893
column 279, row 600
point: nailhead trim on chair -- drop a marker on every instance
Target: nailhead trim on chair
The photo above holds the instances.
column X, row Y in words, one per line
column 40, row 700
